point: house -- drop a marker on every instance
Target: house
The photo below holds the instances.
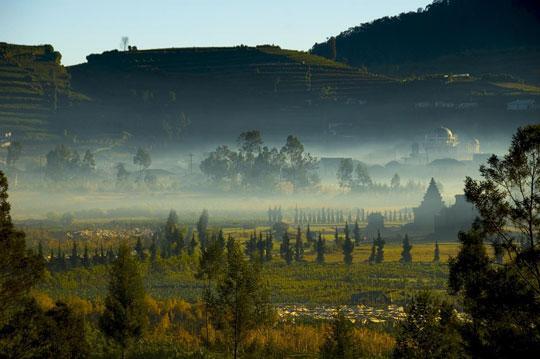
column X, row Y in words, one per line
column 521, row 105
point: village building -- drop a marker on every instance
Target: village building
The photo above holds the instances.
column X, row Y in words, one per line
column 458, row 217
column 424, row 215
column 375, row 224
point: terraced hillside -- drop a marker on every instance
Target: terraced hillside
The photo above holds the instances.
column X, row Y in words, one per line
column 33, row 85
column 242, row 86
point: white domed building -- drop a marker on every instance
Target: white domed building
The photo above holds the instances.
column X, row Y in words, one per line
column 440, row 142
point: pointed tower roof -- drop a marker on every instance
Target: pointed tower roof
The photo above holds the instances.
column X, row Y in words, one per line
column 432, row 193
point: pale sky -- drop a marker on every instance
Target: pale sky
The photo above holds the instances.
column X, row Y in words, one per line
column 77, row 28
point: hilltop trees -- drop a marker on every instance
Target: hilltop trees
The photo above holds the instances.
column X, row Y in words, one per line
column 124, row 317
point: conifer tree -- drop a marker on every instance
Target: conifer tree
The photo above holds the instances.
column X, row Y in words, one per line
column 241, row 303
column 40, row 250
column 379, row 255
column 436, row 253
column 356, row 233
column 406, row 256
column 309, row 235
column 153, row 251
column 320, row 247
column 19, row 268
column 125, row 315
column 285, row 248
column 74, row 259
column 298, row 246
column 372, row 254
column 86, row 257
column 269, row 247
column 261, row 247
column 202, row 227
column 348, row 247
column 139, row 250
column 192, row 245
column 340, row 341
column 251, row 246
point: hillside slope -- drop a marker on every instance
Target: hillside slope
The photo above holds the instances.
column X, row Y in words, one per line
column 33, row 86
column 154, row 91
column 448, row 35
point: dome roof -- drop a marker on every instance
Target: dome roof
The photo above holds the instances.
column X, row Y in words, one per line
column 442, row 132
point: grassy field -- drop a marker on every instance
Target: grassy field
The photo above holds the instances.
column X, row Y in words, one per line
column 305, row 282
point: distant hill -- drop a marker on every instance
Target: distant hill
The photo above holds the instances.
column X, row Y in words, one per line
column 448, row 35
column 216, row 90
column 33, row 86
column 210, row 95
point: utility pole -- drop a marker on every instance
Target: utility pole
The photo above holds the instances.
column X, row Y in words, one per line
column 191, row 163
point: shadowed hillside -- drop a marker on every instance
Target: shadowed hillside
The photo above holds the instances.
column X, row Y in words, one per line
column 33, row 86
column 476, row 36
column 158, row 91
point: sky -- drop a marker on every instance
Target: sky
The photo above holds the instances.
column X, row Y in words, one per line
column 77, row 28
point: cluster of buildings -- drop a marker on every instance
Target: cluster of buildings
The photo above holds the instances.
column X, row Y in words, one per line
column 441, row 143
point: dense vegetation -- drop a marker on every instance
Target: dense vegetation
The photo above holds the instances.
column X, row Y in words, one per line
column 445, row 27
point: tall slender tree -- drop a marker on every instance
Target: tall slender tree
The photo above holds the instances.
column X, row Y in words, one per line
column 125, row 315
column 241, row 302
column 348, row 247
column 406, row 256
column 320, row 247
column 19, row 268
column 379, row 255
column 298, row 246
column 285, row 248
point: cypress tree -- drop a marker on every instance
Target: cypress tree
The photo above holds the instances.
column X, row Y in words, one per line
column 260, row 247
column 153, row 251
column 269, row 247
column 406, row 256
column 139, row 249
column 285, row 248
column 202, row 227
column 298, row 246
column 320, row 247
column 356, row 233
column 372, row 254
column 192, row 245
column 86, row 257
column 436, row 254
column 40, row 249
column 348, row 247
column 74, row 258
column 309, row 235
column 124, row 318
column 379, row 256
